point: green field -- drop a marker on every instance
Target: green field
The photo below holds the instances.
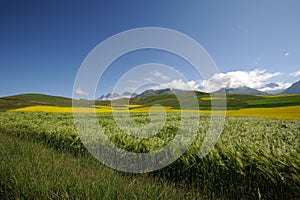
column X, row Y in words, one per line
column 234, row 101
column 26, row 100
column 31, row 170
column 253, row 158
column 42, row 155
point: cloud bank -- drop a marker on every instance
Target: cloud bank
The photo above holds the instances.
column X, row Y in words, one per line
column 279, row 88
column 178, row 84
column 295, row 74
column 256, row 79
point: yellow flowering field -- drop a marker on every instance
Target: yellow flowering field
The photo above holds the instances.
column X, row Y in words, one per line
column 215, row 98
column 97, row 109
column 62, row 109
column 287, row 112
column 279, row 95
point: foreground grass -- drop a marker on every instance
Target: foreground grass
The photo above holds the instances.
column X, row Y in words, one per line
column 30, row 170
column 253, row 158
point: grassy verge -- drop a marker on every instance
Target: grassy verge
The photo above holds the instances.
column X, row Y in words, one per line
column 30, row 170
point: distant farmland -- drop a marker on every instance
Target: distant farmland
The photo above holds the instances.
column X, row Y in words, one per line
column 255, row 157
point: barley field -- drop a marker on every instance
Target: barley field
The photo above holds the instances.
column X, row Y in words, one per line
column 253, row 158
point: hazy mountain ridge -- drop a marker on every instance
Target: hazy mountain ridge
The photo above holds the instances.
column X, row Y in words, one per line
column 272, row 85
column 293, row 89
column 240, row 90
column 152, row 92
column 115, row 95
column 273, row 88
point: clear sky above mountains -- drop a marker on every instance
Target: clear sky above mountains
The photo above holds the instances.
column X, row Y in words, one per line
column 43, row 43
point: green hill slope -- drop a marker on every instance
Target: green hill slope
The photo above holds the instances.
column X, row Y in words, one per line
column 234, row 101
column 24, row 100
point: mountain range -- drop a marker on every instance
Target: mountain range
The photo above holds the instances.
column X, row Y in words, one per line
column 151, row 92
column 115, row 95
column 293, row 89
column 241, row 90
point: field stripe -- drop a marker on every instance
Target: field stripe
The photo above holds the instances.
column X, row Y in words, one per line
column 287, row 112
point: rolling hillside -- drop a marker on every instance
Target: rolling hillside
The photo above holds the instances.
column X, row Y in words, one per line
column 25, row 100
column 234, row 101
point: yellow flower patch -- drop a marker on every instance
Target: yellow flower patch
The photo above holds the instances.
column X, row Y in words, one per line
column 287, row 112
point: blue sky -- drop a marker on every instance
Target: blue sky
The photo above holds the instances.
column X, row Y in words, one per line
column 43, row 43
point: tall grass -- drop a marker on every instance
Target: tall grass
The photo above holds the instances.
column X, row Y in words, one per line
column 30, row 170
column 254, row 158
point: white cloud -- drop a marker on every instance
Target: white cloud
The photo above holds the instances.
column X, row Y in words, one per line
column 295, row 73
column 81, row 92
column 286, row 53
column 281, row 86
column 254, row 79
column 178, row 84
column 159, row 75
column 149, row 79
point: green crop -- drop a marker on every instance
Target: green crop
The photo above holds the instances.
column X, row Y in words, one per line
column 254, row 157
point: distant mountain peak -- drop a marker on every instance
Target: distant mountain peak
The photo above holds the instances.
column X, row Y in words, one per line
column 241, row 90
column 272, row 85
column 152, row 92
column 293, row 89
column 115, row 95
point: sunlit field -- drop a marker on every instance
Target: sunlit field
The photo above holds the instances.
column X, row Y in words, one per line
column 280, row 95
column 254, row 157
column 286, row 112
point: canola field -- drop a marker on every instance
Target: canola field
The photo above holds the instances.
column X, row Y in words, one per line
column 286, row 112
